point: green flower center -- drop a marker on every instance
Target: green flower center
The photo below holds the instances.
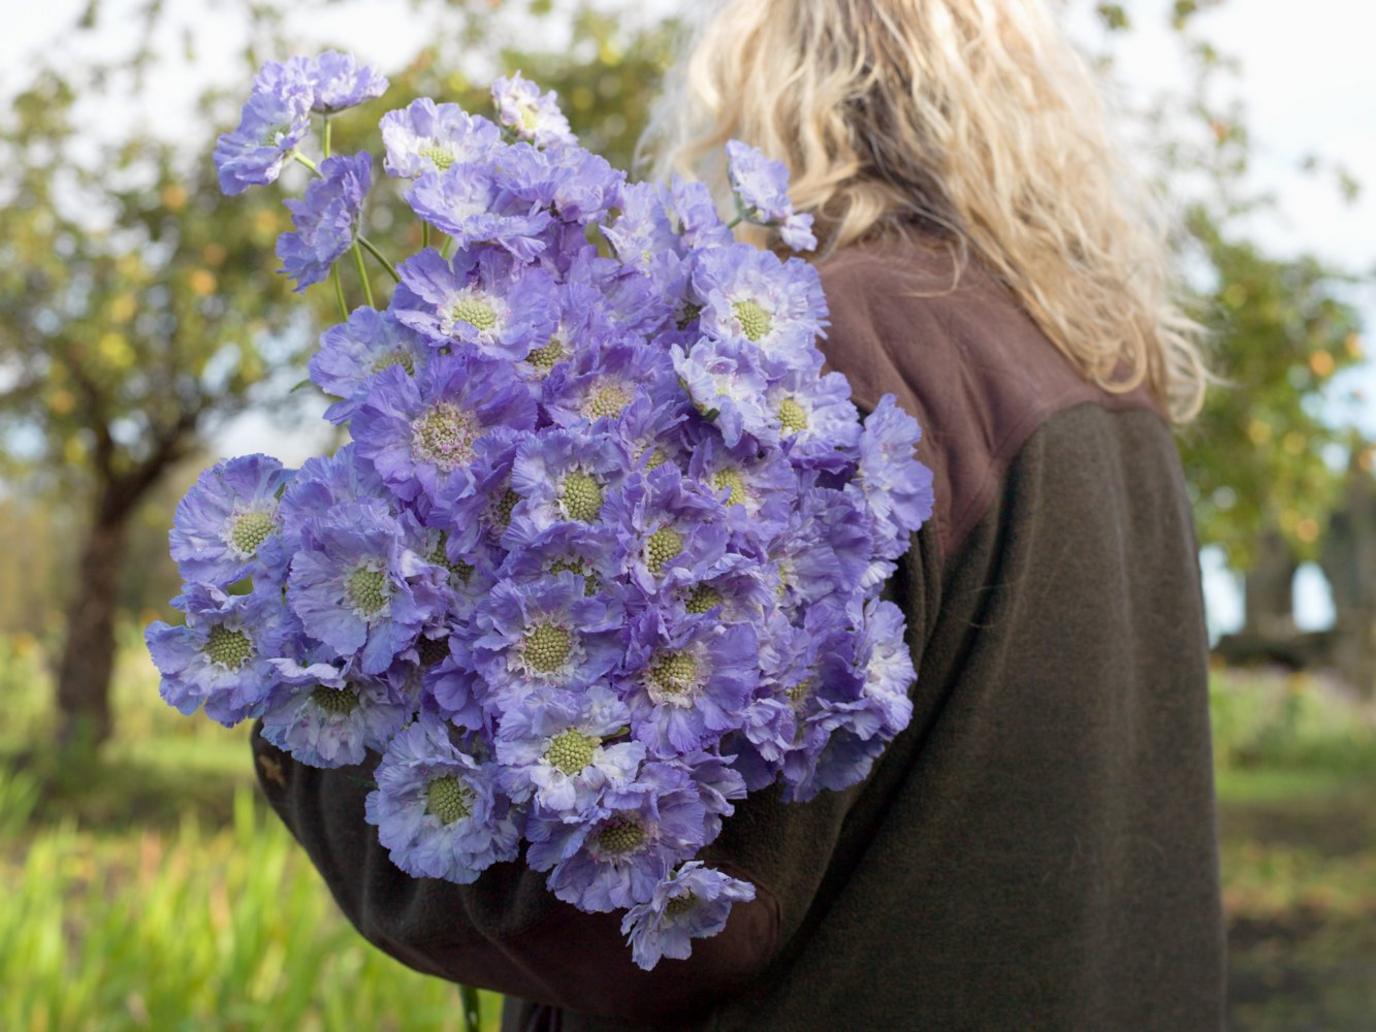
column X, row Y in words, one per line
column 228, row 648
column 571, row 750
column 338, row 701
column 605, row 400
column 799, row 693
column 582, row 496
column 621, row 835
column 502, row 508
column 250, row 530
column 448, row 799
column 663, row 545
column 459, row 568
column 547, row 647
column 476, row 312
column 591, row 582
column 657, row 459
column 733, row 481
column 680, row 905
column 755, row 321
column 702, row 599
column 272, row 135
column 546, row 358
column 675, row 673
column 792, row 416
column 404, row 359
column 443, row 436
column 368, row 590
column 439, row 156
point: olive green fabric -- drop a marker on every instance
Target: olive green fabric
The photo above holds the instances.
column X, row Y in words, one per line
column 1037, row 850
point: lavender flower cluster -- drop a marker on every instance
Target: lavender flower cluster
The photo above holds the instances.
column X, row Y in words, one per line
column 605, row 549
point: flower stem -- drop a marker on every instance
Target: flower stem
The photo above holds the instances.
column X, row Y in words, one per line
column 325, row 141
column 447, row 248
column 472, row 1015
column 339, row 292
column 363, row 275
column 371, row 248
column 735, row 222
column 298, row 156
column 424, row 233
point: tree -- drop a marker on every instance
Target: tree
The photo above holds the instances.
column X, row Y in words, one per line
column 137, row 313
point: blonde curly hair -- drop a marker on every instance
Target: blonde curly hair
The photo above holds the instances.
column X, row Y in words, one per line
column 974, row 118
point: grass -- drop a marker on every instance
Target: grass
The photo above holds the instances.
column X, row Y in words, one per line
column 151, row 889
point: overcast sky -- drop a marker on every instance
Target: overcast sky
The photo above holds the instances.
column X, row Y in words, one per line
column 1309, row 82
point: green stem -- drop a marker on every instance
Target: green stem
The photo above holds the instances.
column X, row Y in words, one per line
column 296, row 154
column 363, row 275
column 472, row 1013
column 424, row 234
column 735, row 222
column 447, row 248
column 325, row 142
column 372, row 250
column 339, row 292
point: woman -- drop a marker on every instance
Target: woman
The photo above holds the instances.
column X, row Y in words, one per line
column 1038, row 848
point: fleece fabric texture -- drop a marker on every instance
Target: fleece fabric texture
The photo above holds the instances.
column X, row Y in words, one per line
column 1038, row 848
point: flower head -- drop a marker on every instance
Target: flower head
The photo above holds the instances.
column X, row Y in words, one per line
column 528, row 113
column 354, row 352
column 761, row 188
column 274, row 120
column 437, row 810
column 692, row 903
column 326, row 714
column 463, row 201
column 340, row 82
column 227, row 524
column 425, row 136
column 326, row 219
column 751, row 297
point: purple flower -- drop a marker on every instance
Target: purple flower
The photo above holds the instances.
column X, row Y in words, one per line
column 463, row 201
column 727, row 386
column 761, row 188
column 886, row 664
column 695, row 213
column 546, row 638
column 643, row 229
column 274, row 120
column 340, row 82
column 227, row 519
column 357, row 587
column 592, row 554
column 323, row 483
column 818, row 423
column 750, row 296
column 425, row 136
column 673, row 531
column 437, row 809
column 642, row 831
column 221, row 657
column 758, row 489
column 482, row 298
column 823, row 551
column 353, row 353
column 562, row 751
column 528, row 113
column 692, row 903
column 893, row 486
column 421, row 434
column 561, row 476
column 327, row 715
column 689, row 684
column 601, row 385
column 326, row 219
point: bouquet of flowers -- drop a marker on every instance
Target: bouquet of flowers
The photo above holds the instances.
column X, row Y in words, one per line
column 605, row 549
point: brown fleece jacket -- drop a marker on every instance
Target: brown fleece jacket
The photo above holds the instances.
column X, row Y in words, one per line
column 1037, row 850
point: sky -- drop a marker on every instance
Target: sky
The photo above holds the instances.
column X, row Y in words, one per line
column 1308, row 82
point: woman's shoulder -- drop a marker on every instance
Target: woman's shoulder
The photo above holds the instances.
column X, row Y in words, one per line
column 916, row 319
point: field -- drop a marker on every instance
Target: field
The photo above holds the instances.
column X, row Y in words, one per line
column 152, row 889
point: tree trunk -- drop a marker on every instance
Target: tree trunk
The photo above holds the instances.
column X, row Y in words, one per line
column 1349, row 562
column 1269, row 589
column 88, row 658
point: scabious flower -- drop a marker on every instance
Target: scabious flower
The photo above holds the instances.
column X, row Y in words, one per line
column 228, row 518
column 761, row 187
column 617, row 856
column 692, row 903
column 528, row 113
column 355, row 351
column 340, row 82
column 818, row 423
column 481, row 298
column 545, row 638
column 463, row 201
column 421, row 433
column 727, row 386
column 326, row 220
column 561, row 477
column 326, row 714
column 437, row 809
column 358, row 588
column 221, row 657
column 895, row 487
column 566, row 752
column 751, row 297
column 425, row 136
column 673, row 530
column 274, row 120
